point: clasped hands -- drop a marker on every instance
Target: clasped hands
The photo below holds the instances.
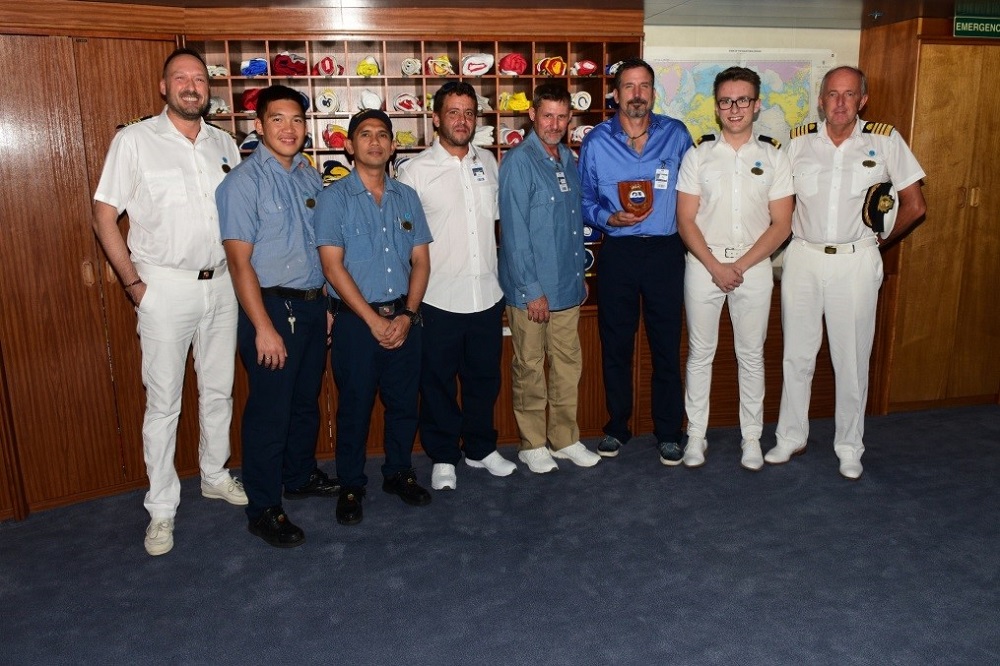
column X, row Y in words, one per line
column 726, row 276
column 391, row 333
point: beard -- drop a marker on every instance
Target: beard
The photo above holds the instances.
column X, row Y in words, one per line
column 636, row 108
column 188, row 109
column 453, row 139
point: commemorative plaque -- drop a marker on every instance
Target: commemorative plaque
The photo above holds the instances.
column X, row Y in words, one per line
column 636, row 196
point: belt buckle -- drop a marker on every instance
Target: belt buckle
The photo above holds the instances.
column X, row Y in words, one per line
column 731, row 252
column 387, row 310
column 830, row 249
column 206, row 274
column 311, row 294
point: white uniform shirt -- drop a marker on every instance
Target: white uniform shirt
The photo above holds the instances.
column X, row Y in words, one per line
column 459, row 198
column 167, row 185
column 831, row 181
column 735, row 187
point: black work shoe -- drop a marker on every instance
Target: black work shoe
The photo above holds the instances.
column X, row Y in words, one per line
column 274, row 527
column 405, row 485
column 318, row 485
column 349, row 511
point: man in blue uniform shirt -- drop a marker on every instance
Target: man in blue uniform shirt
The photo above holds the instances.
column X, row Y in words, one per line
column 542, row 276
column 641, row 262
column 373, row 240
column 266, row 207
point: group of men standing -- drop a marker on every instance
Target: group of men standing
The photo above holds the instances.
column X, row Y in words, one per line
column 258, row 256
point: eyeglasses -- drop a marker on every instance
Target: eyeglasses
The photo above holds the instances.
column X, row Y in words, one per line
column 740, row 102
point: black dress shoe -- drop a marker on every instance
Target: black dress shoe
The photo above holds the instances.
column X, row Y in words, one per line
column 349, row 511
column 274, row 527
column 318, row 485
column 405, row 485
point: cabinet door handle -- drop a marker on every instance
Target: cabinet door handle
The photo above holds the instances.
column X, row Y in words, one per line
column 964, row 195
column 87, row 269
column 974, row 197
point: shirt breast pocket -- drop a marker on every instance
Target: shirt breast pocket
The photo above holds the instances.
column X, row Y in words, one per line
column 711, row 185
column 806, row 180
column 273, row 214
column 864, row 177
column 359, row 243
column 166, row 188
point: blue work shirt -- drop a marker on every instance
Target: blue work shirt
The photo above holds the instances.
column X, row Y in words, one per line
column 541, row 227
column 377, row 240
column 606, row 159
column 262, row 203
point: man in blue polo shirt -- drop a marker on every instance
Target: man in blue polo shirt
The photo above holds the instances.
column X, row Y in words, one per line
column 373, row 240
column 266, row 209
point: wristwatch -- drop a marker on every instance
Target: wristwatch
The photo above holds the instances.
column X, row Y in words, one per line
column 414, row 316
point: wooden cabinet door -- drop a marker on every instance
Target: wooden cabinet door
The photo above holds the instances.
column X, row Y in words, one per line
column 54, row 346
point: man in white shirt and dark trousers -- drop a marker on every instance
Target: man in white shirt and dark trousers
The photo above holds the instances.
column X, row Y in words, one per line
column 463, row 305
column 163, row 171
column 832, row 268
column 734, row 209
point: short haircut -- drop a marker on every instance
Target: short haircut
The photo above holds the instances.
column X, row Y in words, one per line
column 631, row 63
column 183, row 51
column 460, row 88
column 275, row 93
column 553, row 92
column 737, row 74
column 845, row 68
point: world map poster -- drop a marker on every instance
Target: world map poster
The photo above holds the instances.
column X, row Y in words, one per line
column 790, row 80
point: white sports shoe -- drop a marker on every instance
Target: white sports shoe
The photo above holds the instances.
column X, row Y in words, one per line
column 781, row 454
column 850, row 466
column 443, row 477
column 159, row 536
column 752, row 458
column 538, row 460
column 231, row 491
column 578, row 454
column 694, row 452
column 494, row 463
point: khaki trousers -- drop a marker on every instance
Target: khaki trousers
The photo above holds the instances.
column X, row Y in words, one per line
column 557, row 340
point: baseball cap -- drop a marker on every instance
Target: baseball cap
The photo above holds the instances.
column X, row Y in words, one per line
column 367, row 114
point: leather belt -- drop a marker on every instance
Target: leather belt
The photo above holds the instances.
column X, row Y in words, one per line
column 288, row 292
column 841, row 248
column 387, row 309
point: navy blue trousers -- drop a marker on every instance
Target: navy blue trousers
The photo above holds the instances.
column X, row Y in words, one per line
column 362, row 369
column 466, row 347
column 646, row 273
column 281, row 417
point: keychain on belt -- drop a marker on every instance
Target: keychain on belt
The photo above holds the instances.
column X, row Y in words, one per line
column 291, row 316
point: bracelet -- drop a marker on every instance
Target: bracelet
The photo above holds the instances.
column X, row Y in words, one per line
column 133, row 283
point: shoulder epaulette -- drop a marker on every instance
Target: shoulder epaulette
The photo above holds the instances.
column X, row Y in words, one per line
column 802, row 130
column 704, row 137
column 223, row 129
column 134, row 121
column 767, row 139
column 885, row 129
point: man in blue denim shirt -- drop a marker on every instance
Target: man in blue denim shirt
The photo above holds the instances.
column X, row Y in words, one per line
column 641, row 262
column 265, row 212
column 542, row 277
column 373, row 238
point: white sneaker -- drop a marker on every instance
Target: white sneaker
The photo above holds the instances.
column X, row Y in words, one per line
column 159, row 536
column 850, row 467
column 782, row 454
column 538, row 460
column 230, row 490
column 752, row 459
column 443, row 477
column 494, row 463
column 578, row 454
column 694, row 451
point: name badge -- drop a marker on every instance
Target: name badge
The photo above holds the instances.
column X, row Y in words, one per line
column 561, row 178
column 662, row 178
column 479, row 173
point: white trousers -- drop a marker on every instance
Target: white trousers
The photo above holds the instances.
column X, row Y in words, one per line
column 843, row 289
column 176, row 312
column 749, row 307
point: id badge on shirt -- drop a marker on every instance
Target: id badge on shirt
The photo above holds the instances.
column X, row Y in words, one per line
column 561, row 179
column 479, row 173
column 662, row 178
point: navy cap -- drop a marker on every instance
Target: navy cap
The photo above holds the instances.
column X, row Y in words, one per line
column 367, row 114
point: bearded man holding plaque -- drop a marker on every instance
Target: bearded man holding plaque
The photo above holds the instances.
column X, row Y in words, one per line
column 628, row 170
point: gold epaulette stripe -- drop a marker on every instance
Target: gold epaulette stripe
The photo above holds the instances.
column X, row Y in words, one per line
column 221, row 128
column 704, row 137
column 885, row 129
column 767, row 139
column 802, row 130
column 133, row 122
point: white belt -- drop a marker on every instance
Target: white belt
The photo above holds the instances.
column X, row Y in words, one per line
column 148, row 270
column 728, row 252
column 842, row 248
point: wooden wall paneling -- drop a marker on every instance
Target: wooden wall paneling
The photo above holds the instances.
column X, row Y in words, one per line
column 975, row 362
column 53, row 333
column 112, row 95
column 12, row 502
column 931, row 283
column 63, row 17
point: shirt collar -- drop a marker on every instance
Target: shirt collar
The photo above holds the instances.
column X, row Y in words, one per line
column 165, row 126
column 441, row 155
column 356, row 187
column 616, row 124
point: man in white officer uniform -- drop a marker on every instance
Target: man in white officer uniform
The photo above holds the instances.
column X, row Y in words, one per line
column 734, row 209
column 164, row 171
column 833, row 268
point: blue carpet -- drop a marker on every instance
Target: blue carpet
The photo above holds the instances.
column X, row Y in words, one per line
column 628, row 562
